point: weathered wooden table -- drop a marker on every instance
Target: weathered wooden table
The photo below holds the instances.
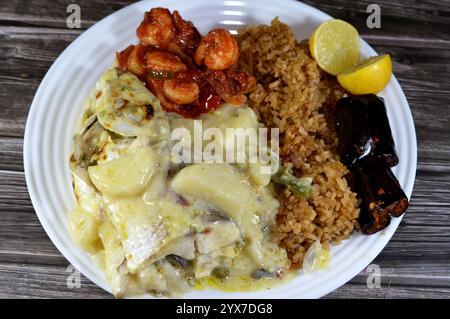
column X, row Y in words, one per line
column 416, row 262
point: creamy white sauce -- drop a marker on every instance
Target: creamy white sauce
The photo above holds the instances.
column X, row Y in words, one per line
column 132, row 214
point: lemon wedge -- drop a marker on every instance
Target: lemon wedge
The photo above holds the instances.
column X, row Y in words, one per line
column 369, row 77
column 335, row 46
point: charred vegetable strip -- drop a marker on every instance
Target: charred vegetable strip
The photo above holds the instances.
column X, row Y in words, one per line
column 363, row 128
column 298, row 186
column 380, row 130
column 352, row 126
column 367, row 148
column 381, row 194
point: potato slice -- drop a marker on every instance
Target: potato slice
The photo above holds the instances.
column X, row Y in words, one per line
column 128, row 175
column 217, row 184
column 83, row 228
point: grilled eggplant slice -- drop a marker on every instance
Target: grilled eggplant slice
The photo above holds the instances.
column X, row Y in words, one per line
column 352, row 126
column 367, row 148
column 380, row 130
column 381, row 193
column 363, row 128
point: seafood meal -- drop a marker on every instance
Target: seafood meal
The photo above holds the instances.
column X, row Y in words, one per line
column 159, row 224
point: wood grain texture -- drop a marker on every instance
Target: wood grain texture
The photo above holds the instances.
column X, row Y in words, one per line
column 415, row 263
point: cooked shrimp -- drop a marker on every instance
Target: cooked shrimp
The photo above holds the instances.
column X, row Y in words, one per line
column 182, row 89
column 157, row 29
column 164, row 61
column 218, row 50
column 187, row 38
column 156, row 87
column 132, row 59
column 122, row 57
column 136, row 60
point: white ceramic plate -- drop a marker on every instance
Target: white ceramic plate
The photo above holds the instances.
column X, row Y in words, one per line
column 58, row 104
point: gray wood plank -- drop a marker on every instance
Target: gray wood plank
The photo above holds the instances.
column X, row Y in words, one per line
column 429, row 17
column 22, row 238
column 400, row 281
column 26, row 54
column 11, row 150
column 53, row 13
column 389, row 291
column 42, row 281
